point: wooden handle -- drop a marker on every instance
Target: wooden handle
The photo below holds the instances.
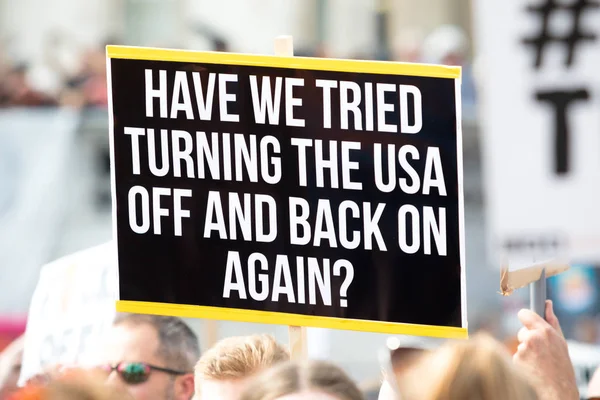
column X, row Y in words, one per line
column 284, row 46
column 298, row 345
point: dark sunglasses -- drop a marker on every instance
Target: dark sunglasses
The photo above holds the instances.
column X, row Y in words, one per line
column 137, row 372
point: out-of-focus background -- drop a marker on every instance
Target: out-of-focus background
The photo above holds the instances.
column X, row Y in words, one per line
column 54, row 157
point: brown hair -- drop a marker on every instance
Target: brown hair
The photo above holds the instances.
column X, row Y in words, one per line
column 239, row 357
column 294, row 377
column 476, row 369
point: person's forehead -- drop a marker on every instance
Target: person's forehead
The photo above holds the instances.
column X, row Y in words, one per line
column 225, row 389
column 309, row 395
column 131, row 342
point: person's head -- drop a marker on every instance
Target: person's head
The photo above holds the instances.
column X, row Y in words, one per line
column 312, row 380
column 153, row 356
column 224, row 370
column 407, row 45
column 403, row 352
column 476, row 369
column 10, row 367
column 72, row 385
column 447, row 44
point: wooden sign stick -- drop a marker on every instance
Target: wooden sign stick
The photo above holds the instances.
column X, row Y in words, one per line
column 534, row 276
column 211, row 332
column 284, row 47
column 512, row 280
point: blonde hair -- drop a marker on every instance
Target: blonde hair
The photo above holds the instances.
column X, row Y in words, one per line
column 476, row 369
column 294, row 377
column 239, row 357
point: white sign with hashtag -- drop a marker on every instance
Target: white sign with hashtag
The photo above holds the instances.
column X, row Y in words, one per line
column 71, row 309
column 540, row 121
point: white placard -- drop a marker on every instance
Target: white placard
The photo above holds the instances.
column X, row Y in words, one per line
column 540, row 102
column 72, row 307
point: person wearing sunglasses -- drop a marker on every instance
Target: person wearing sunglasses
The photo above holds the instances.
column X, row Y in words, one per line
column 152, row 356
column 135, row 372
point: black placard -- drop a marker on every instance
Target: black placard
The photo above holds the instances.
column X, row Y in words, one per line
column 176, row 204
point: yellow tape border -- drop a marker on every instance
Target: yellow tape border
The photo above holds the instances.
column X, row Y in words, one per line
column 268, row 317
column 306, row 63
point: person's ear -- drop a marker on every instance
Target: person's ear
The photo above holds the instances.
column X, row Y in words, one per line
column 184, row 387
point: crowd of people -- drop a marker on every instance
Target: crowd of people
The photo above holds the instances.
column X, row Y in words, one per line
column 81, row 81
column 148, row 357
column 82, row 84
column 158, row 358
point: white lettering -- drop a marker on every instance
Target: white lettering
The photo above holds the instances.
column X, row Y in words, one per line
column 405, row 90
column 371, row 226
column 214, row 209
column 135, row 134
column 178, row 213
column 225, row 97
column 321, row 163
column 301, row 144
column 347, row 107
column 181, row 87
column 261, row 200
column 402, row 229
column 145, row 204
column 262, row 278
column 157, row 210
column 234, row 267
column 184, row 154
column 326, row 85
column 433, row 166
column 282, row 269
column 299, row 220
column 291, row 102
column 383, row 107
column 348, row 165
column 204, row 106
column 324, row 228
column 160, row 93
column 266, row 102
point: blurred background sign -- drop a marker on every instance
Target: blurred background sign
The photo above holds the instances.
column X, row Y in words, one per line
column 72, row 307
column 540, row 109
column 576, row 298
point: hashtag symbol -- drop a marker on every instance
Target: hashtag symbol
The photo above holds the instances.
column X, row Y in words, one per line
column 575, row 35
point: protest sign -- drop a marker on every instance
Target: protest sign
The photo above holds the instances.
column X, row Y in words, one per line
column 71, row 309
column 540, row 128
column 294, row 191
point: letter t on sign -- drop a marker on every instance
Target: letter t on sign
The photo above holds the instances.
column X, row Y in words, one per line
column 561, row 101
column 284, row 47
